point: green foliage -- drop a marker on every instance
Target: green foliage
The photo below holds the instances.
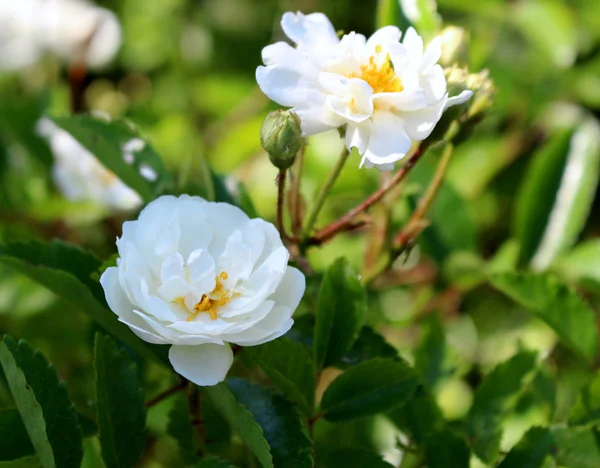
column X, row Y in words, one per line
column 371, row 387
column 587, row 408
column 445, row 448
column 119, row 404
column 431, row 351
column 341, row 307
column 355, row 457
column 46, row 412
column 531, row 451
column 368, row 345
column 14, row 439
column 577, row 447
column 560, row 307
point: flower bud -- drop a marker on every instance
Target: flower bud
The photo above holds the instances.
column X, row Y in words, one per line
column 455, row 46
column 281, row 137
column 484, row 90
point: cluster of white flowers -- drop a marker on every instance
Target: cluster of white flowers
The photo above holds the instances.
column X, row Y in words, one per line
column 74, row 30
column 79, row 175
column 200, row 275
column 387, row 93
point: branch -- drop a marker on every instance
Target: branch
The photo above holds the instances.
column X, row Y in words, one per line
column 167, row 393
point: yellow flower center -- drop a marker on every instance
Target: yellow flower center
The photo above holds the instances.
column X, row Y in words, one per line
column 380, row 74
column 209, row 302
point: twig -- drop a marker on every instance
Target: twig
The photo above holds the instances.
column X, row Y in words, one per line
column 167, row 393
column 77, row 74
column 196, row 420
column 295, row 195
column 345, row 221
column 329, row 183
column 280, row 201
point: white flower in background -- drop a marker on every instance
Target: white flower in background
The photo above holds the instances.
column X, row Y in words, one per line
column 80, row 176
column 75, row 30
column 199, row 275
column 388, row 93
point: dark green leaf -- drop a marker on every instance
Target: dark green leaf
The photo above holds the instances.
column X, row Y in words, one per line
column 431, row 351
column 369, row 345
column 289, row 365
column 557, row 195
column 46, row 412
column 446, row 448
column 212, row 462
column 493, row 398
column 340, row 313
column 577, row 447
column 418, row 417
column 242, row 421
column 587, row 407
column 281, row 423
column 105, row 141
column 14, row 440
column 371, row 387
column 66, row 271
column 355, row 457
column 120, row 410
column 531, row 451
column 560, row 307
column 180, row 427
column 228, row 189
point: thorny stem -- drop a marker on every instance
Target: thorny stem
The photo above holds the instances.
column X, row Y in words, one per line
column 346, row 221
column 167, row 393
column 335, row 172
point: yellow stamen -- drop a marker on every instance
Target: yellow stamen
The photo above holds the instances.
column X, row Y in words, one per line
column 381, row 76
column 209, row 302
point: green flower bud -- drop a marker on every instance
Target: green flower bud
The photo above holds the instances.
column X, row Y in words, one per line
column 281, row 137
column 455, row 46
column 484, row 91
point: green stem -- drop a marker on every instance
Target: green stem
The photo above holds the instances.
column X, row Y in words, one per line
column 335, row 172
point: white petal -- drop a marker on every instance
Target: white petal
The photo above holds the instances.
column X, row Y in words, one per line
column 274, row 325
column 318, row 119
column 173, row 289
column 172, row 267
column 402, row 101
column 225, row 219
column 202, row 272
column 434, row 83
column 290, row 289
column 414, row 45
column 432, row 54
column 384, row 36
column 204, row 365
column 463, row 97
column 305, row 30
column 167, row 241
column 357, row 136
column 419, row 124
column 286, row 86
column 389, row 142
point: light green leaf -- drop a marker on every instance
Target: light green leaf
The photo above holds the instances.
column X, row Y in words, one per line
column 388, row 13
column 66, row 271
column 560, row 307
column 446, row 448
column 577, row 447
column 587, row 407
column 557, row 194
column 120, row 410
column 423, row 15
column 345, row 458
column 105, row 140
column 282, row 426
column 493, row 399
column 371, row 387
column 46, row 412
column 531, row 451
column 289, row 365
column 242, row 421
column 14, row 440
column 582, row 263
column 341, row 308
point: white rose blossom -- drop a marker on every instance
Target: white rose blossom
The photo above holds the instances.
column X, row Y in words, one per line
column 81, row 177
column 388, row 93
column 199, row 275
column 76, row 31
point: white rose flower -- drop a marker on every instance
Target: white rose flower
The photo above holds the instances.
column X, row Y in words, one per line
column 77, row 31
column 199, row 275
column 388, row 93
column 80, row 176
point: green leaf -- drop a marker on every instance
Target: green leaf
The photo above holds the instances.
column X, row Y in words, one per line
column 282, row 426
column 431, row 351
column 388, row 13
column 120, row 410
column 446, row 448
column 560, row 307
column 577, row 447
column 345, row 458
column 66, row 271
column 181, row 429
column 493, row 398
column 212, row 462
column 587, row 407
column 418, row 417
column 14, row 440
column 105, row 140
column 531, row 451
column 557, row 195
column 369, row 345
column 582, row 263
column 289, row 365
column 371, row 387
column 341, row 308
column 46, row 412
column 423, row 15
column 242, row 421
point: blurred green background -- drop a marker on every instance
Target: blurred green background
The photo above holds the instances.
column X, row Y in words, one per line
column 185, row 76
